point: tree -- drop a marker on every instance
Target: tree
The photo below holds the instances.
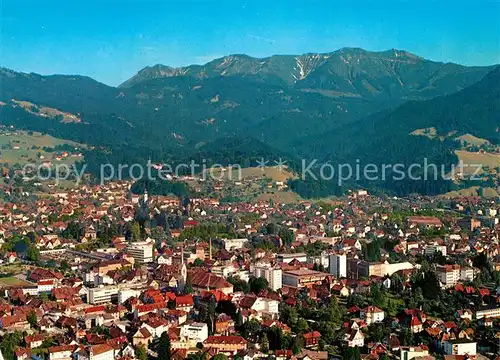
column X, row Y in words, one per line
column 302, row 325
column 198, row 263
column 239, row 285
column 220, row 357
column 32, row 319
column 239, row 319
column 335, row 316
column 207, row 314
column 33, row 253
column 197, row 356
column 286, row 236
column 227, row 307
column 10, row 342
column 321, row 344
column 257, row 284
column 271, row 228
column 264, row 343
column 251, row 330
column 64, row 265
column 298, row 344
column 141, row 352
column 164, row 347
column 289, row 315
column 188, row 288
column 135, row 231
column 406, row 337
column 352, row 353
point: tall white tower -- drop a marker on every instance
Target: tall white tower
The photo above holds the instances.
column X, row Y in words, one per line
column 338, row 265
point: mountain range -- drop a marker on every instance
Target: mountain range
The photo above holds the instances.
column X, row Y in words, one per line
column 346, row 104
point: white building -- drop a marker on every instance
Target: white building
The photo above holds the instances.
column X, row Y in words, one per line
column 466, row 273
column 142, row 252
column 96, row 352
column 434, row 248
column 102, row 295
column 286, row 258
column 493, row 312
column 411, row 352
column 101, row 352
column 164, row 260
column 323, row 259
column 195, row 331
column 125, row 294
column 338, row 265
column 273, row 275
column 266, row 307
column 355, row 338
column 460, row 347
column 448, row 275
column 62, row 352
column 372, row 315
column 234, row 244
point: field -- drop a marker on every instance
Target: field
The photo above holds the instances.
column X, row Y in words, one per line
column 471, row 139
column 21, row 147
column 474, row 159
column 282, row 197
column 12, row 282
column 489, row 193
column 254, row 173
column 45, row 111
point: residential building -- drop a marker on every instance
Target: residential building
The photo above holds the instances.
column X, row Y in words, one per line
column 303, row 277
column 195, row 331
column 229, row 345
column 61, row 352
column 411, row 352
column 102, row 295
column 448, row 275
column 372, row 315
column 460, row 347
column 311, row 338
column 142, row 252
column 338, row 265
column 233, row 244
column 360, row 268
column 355, row 338
column 272, row 274
column 434, row 248
column 469, row 224
column 287, row 258
column 489, row 312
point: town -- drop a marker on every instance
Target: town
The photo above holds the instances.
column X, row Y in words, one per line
column 97, row 272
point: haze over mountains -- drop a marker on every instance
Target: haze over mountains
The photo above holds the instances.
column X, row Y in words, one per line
column 348, row 104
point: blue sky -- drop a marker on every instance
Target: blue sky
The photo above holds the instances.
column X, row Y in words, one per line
column 110, row 40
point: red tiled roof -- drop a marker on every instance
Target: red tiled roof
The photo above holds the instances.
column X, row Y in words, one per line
column 312, row 334
column 225, row 340
column 100, row 349
column 186, row 300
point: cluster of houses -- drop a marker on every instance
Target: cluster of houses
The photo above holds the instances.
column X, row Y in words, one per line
column 125, row 294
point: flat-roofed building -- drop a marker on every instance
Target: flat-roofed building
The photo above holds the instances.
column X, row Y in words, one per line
column 272, row 274
column 460, row 347
column 102, row 295
column 488, row 312
column 303, row 277
column 338, row 265
column 142, row 252
column 286, row 258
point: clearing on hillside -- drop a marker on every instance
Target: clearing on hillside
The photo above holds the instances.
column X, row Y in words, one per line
column 489, row 193
column 471, row 139
column 22, row 148
column 473, row 160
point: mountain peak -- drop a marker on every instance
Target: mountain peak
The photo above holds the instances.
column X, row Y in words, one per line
column 349, row 70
